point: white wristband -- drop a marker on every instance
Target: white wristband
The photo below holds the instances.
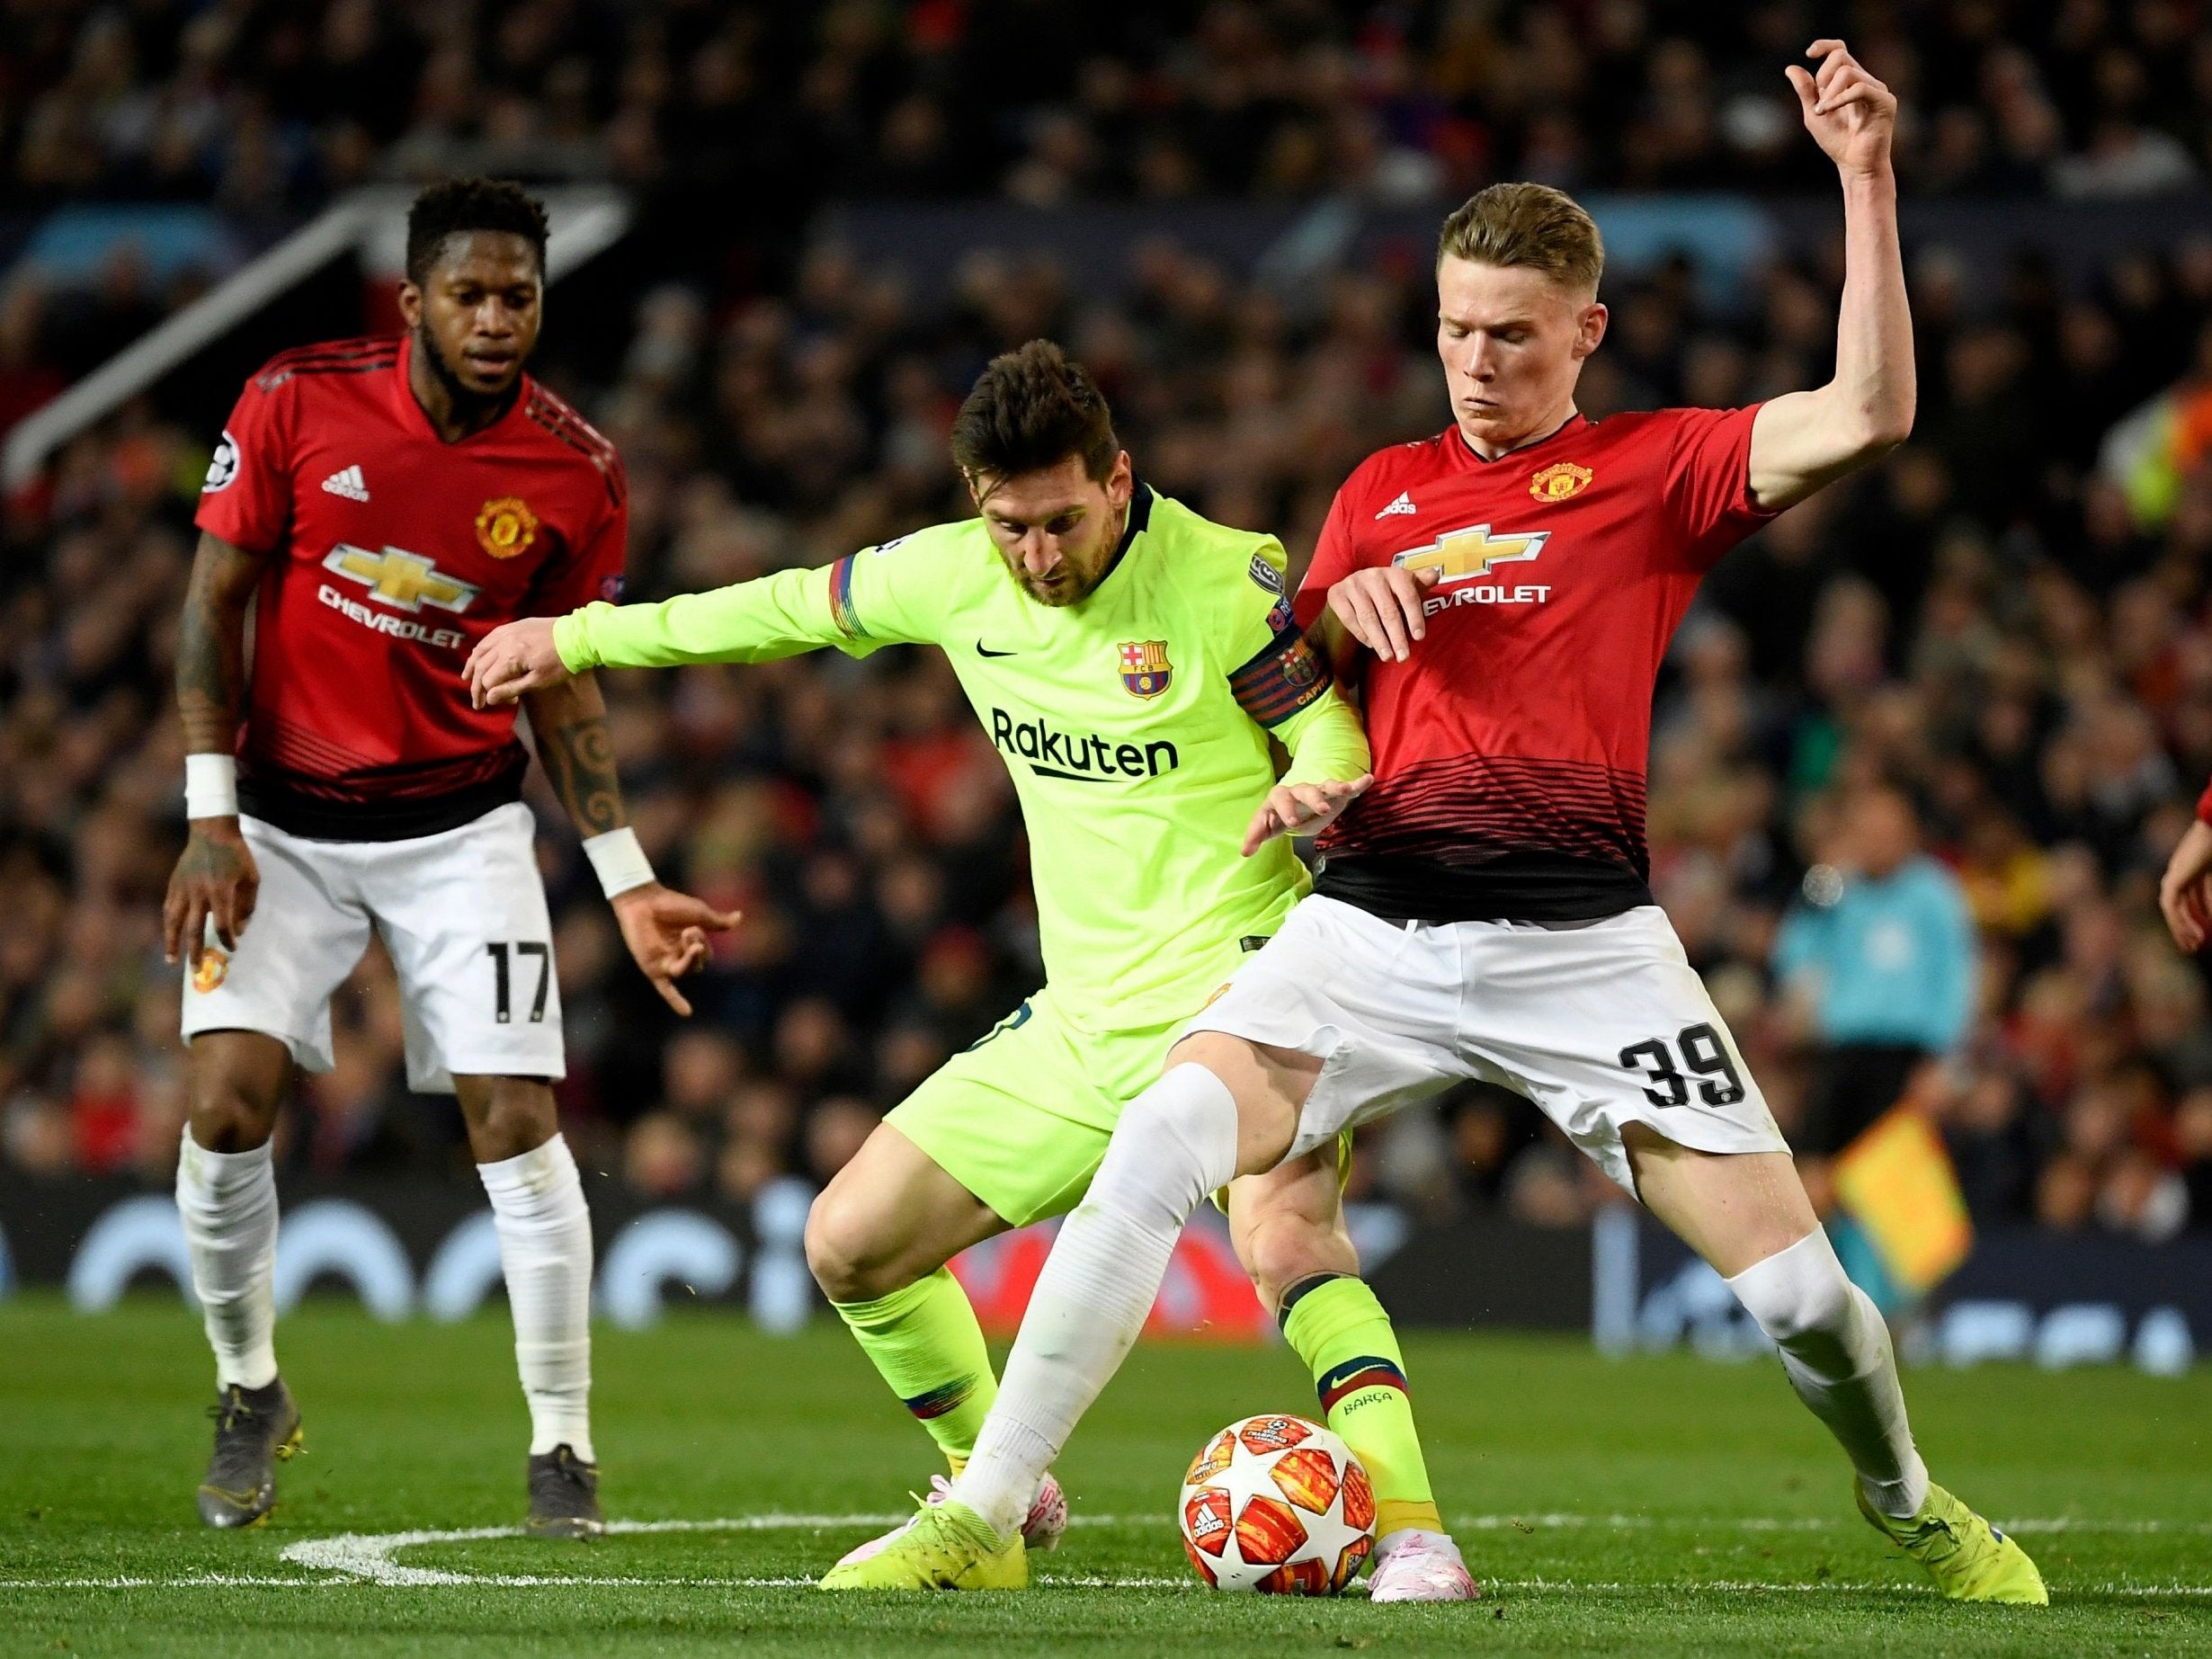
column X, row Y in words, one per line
column 210, row 786
column 620, row 862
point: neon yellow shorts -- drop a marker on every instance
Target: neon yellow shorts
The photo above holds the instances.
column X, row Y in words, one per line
column 1021, row 1117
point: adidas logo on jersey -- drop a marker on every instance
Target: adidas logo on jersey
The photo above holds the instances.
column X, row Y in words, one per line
column 347, row 482
column 1403, row 503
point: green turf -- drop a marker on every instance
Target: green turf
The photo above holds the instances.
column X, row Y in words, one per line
column 1662, row 1505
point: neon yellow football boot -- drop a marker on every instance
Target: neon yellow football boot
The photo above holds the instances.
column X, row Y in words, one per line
column 945, row 1546
column 1969, row 1559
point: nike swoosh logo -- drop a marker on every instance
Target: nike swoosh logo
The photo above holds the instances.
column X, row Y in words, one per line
column 984, row 650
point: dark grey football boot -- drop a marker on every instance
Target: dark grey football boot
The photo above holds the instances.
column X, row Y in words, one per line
column 254, row 1427
column 564, row 1495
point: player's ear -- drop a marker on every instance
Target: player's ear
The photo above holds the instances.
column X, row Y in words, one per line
column 410, row 303
column 1590, row 329
column 1121, row 482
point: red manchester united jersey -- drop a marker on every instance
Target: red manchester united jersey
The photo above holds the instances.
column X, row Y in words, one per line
column 392, row 553
column 1509, row 749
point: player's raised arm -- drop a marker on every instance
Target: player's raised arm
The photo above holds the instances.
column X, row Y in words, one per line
column 216, row 876
column 1804, row 440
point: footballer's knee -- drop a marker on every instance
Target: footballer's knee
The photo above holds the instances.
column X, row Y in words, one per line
column 506, row 1116
column 237, row 1081
column 1267, row 1085
column 890, row 1219
column 1802, row 1300
column 847, row 1251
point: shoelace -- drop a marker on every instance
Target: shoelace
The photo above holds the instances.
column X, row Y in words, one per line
column 568, row 1467
column 232, row 1411
column 1938, row 1537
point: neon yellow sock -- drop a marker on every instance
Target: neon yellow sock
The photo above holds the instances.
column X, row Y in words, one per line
column 926, row 1343
column 1341, row 1330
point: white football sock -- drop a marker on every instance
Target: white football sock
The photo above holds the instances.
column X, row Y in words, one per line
column 228, row 1201
column 1176, row 1142
column 1836, row 1351
column 545, row 1248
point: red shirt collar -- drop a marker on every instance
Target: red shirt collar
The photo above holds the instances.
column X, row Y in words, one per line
column 1573, row 424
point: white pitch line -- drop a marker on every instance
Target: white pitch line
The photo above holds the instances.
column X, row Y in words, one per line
column 233, row 1581
column 1830, row 1587
column 1796, row 1523
column 368, row 1555
column 188, row 1581
column 368, row 1558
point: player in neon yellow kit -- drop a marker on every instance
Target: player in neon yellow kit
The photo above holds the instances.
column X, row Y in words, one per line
column 1130, row 660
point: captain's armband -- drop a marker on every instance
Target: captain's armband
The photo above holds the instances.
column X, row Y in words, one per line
column 1286, row 676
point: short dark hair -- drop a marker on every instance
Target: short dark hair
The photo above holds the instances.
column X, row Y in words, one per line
column 1030, row 409
column 457, row 205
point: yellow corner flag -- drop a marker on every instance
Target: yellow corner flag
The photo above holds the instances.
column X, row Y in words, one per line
column 1897, row 1182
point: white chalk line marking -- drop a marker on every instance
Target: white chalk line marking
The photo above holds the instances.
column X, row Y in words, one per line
column 366, row 1559
column 1796, row 1523
column 1556, row 1586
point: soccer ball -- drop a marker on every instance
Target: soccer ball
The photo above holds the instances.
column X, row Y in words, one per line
column 1279, row 1505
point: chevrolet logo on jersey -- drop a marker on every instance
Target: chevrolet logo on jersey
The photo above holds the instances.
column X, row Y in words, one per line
column 403, row 580
column 1459, row 555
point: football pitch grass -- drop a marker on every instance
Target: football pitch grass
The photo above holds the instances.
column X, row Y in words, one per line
column 1659, row 1505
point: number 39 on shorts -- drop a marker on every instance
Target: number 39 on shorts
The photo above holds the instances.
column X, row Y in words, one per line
column 1703, row 1056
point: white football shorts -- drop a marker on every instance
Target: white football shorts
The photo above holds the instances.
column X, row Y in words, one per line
column 1599, row 1023
column 463, row 917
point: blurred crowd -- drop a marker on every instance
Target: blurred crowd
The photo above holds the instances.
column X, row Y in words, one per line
column 267, row 108
column 1950, row 716
column 267, row 105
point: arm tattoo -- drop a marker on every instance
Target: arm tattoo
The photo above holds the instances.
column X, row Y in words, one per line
column 580, row 760
column 577, row 749
column 210, row 645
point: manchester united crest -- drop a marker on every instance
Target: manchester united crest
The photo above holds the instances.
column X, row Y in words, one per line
column 1145, row 668
column 1558, row 481
column 213, row 969
column 506, row 527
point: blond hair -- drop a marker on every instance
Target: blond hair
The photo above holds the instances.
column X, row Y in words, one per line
column 1531, row 226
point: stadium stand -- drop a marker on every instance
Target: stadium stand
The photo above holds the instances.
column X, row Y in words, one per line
column 2010, row 618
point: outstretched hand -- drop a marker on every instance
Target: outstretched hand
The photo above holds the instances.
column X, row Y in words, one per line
column 2185, row 891
column 512, row 659
column 666, row 932
column 1850, row 115
column 1302, row 809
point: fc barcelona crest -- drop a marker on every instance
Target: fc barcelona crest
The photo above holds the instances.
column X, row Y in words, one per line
column 1145, row 668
